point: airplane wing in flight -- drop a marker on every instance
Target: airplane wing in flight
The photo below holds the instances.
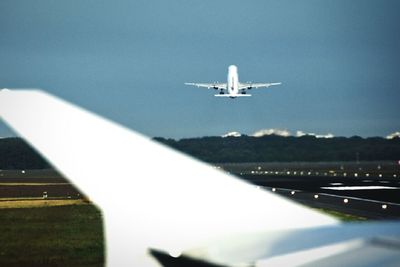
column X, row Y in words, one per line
column 220, row 86
column 243, row 86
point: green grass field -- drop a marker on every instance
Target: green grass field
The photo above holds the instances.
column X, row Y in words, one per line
column 59, row 236
column 52, row 236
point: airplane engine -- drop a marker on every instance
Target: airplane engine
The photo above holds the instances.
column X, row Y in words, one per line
column 249, row 87
column 215, row 85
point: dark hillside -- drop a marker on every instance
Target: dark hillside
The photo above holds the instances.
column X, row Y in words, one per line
column 274, row 148
column 16, row 154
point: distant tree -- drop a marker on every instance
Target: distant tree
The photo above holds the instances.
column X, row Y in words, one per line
column 274, row 148
column 17, row 154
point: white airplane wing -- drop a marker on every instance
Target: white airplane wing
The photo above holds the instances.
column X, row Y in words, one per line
column 221, row 86
column 255, row 85
column 352, row 244
column 151, row 196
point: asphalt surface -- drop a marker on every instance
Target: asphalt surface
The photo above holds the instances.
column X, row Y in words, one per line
column 370, row 189
column 33, row 184
column 369, row 198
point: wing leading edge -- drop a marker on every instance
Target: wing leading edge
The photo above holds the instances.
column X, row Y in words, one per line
column 243, row 86
column 220, row 86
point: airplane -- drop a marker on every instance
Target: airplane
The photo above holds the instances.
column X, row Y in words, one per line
column 233, row 88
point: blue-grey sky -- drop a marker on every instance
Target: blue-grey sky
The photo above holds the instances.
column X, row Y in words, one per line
column 339, row 62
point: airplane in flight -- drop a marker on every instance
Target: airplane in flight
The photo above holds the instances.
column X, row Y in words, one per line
column 233, row 88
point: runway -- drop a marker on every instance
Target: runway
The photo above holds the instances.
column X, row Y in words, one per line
column 361, row 207
column 369, row 198
column 35, row 185
column 370, row 190
column 357, row 189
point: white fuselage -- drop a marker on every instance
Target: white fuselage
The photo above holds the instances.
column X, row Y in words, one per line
column 233, row 81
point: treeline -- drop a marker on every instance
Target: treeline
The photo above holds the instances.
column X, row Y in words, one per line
column 274, row 148
column 15, row 154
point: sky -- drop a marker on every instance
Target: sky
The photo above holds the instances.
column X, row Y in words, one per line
column 338, row 62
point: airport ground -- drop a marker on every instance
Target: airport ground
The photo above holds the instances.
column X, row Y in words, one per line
column 369, row 190
column 46, row 221
column 68, row 235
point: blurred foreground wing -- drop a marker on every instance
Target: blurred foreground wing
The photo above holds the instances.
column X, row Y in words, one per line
column 150, row 195
column 352, row 244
